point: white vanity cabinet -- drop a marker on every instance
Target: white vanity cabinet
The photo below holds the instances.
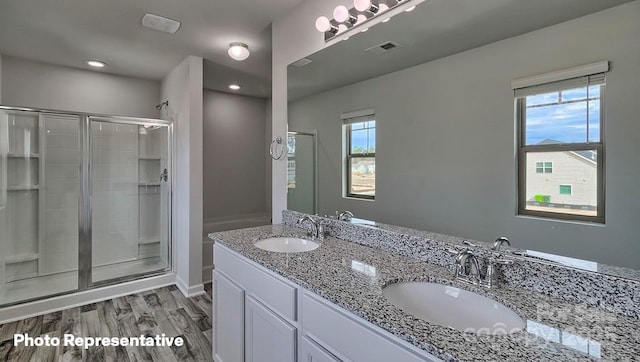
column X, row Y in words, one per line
column 229, row 320
column 254, row 312
column 261, row 316
column 311, row 351
column 265, row 330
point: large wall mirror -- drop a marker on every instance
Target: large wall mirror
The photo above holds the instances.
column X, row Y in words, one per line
column 437, row 84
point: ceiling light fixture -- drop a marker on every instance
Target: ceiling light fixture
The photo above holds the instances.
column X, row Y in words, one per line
column 96, row 63
column 235, row 86
column 238, row 51
column 362, row 11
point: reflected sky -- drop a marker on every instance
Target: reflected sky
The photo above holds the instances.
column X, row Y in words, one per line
column 565, row 116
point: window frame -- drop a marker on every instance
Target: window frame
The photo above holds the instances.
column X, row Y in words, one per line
column 523, row 149
column 570, row 188
column 349, row 157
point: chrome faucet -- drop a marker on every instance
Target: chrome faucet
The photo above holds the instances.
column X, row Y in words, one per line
column 316, row 228
column 467, row 268
column 498, row 243
column 345, row 215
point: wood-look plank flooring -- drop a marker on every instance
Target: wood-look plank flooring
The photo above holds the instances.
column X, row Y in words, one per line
column 149, row 313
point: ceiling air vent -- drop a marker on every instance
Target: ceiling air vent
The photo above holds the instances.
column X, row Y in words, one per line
column 383, row 48
column 302, row 62
column 159, row 23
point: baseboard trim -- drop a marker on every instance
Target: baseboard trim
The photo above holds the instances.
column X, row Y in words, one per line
column 54, row 304
column 189, row 291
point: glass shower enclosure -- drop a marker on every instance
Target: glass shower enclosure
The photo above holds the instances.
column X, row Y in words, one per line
column 302, row 172
column 84, row 201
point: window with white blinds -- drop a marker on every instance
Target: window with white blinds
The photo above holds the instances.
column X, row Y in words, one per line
column 560, row 123
column 360, row 160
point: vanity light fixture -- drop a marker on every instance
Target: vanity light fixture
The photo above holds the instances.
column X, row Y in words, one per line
column 362, row 11
column 96, row 63
column 238, row 51
column 235, row 86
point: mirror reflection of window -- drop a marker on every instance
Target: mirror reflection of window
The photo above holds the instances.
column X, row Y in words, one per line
column 291, row 162
column 559, row 148
column 360, row 181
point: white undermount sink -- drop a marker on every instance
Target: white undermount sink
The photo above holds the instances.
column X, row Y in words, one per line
column 286, row 245
column 453, row 307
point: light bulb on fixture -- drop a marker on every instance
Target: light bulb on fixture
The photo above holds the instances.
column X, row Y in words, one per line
column 239, row 51
column 235, row 86
column 344, row 16
column 410, row 8
column 323, row 24
column 365, row 5
column 341, row 13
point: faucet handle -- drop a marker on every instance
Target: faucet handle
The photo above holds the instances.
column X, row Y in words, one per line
column 453, row 251
column 468, row 243
column 501, row 261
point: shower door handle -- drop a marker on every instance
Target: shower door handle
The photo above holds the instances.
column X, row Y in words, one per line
column 164, row 176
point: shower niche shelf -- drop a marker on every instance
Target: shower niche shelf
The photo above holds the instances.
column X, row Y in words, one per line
column 22, row 214
column 151, row 142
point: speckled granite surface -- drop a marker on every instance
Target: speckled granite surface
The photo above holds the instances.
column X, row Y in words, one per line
column 614, row 294
column 352, row 276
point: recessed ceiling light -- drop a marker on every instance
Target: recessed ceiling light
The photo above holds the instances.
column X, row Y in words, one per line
column 96, row 63
column 411, row 8
column 235, row 86
column 238, row 51
column 160, row 23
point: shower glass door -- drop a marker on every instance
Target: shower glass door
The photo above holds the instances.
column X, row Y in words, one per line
column 130, row 195
column 39, row 182
column 302, row 194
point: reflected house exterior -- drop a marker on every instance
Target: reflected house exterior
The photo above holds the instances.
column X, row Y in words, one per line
column 566, row 179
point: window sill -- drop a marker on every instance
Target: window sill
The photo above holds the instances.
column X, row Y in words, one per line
column 358, row 198
column 562, row 221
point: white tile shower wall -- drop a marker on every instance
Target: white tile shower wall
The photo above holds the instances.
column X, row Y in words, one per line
column 115, row 192
column 59, row 187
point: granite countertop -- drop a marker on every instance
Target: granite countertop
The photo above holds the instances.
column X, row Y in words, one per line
column 353, row 275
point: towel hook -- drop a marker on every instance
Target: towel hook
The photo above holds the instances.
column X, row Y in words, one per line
column 274, row 147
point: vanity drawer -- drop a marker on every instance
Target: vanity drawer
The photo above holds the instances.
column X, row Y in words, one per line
column 351, row 339
column 262, row 284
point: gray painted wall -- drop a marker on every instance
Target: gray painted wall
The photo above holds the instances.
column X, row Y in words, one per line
column 234, row 155
column 446, row 158
column 40, row 85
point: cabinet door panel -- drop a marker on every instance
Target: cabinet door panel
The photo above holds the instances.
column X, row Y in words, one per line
column 268, row 338
column 311, row 352
column 228, row 336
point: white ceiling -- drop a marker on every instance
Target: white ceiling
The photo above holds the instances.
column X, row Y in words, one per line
column 435, row 29
column 67, row 32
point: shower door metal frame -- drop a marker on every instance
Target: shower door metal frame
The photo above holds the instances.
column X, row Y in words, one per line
column 314, row 136
column 84, row 196
column 85, row 256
